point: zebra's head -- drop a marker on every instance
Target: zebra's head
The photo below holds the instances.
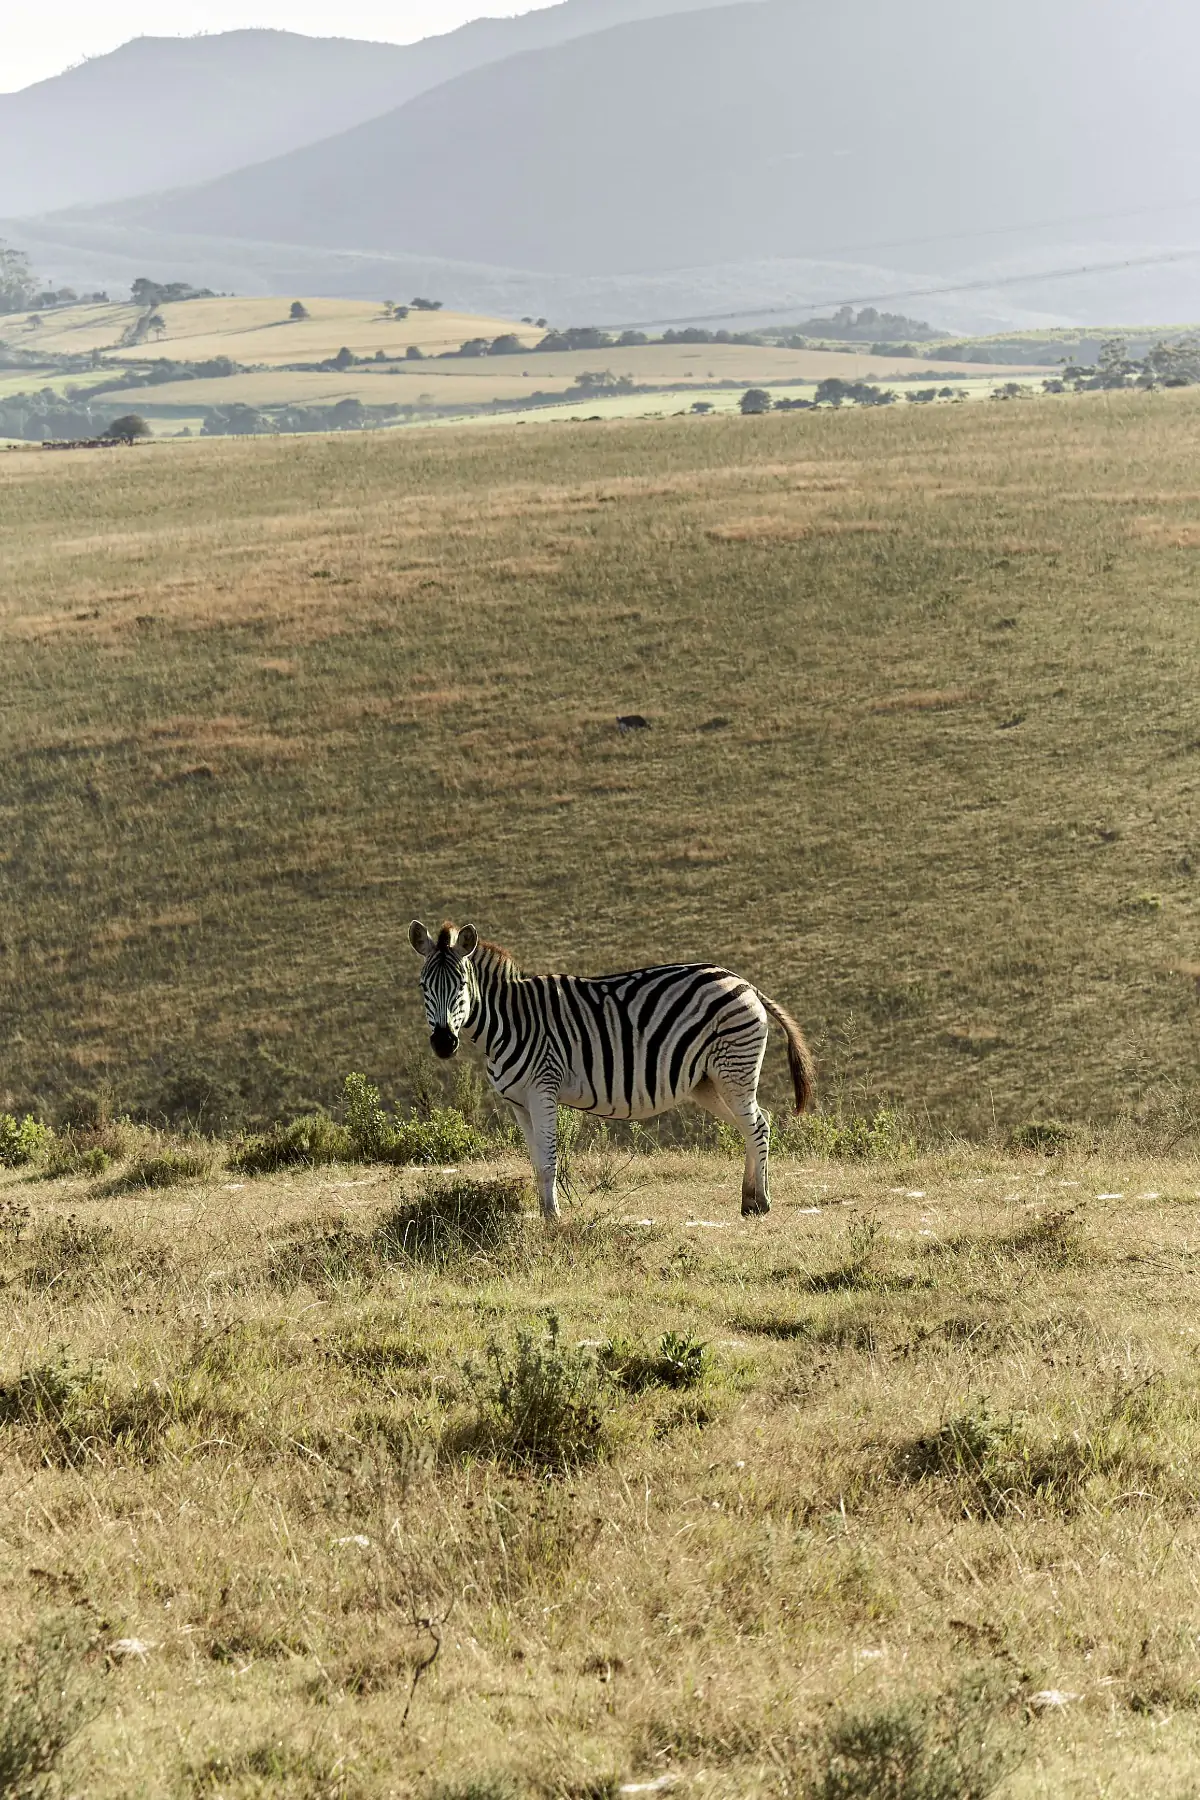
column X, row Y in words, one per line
column 447, row 982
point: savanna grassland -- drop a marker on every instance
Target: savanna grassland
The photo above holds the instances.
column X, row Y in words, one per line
column 354, row 1481
column 923, row 757
column 892, row 1493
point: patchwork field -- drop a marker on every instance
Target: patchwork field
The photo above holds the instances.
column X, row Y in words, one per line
column 893, row 1493
column 923, row 756
column 259, row 332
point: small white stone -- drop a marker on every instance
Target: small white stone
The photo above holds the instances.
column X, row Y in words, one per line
column 363, row 1543
column 131, row 1647
column 706, row 1224
column 651, row 1787
column 1050, row 1698
column 1110, row 1196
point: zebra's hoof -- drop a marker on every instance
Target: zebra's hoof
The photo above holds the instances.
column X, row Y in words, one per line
column 754, row 1209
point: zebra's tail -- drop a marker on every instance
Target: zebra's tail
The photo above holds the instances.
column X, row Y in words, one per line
column 800, row 1057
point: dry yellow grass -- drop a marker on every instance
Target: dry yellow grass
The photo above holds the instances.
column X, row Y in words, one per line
column 948, row 1420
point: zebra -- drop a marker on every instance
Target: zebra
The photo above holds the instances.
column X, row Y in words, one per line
column 621, row 1046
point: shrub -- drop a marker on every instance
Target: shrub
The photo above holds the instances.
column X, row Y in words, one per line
column 22, row 1140
column 310, row 1141
column 755, row 401
column 44, row 1702
column 452, row 1216
column 541, row 1403
column 444, row 1135
column 1045, row 1137
column 958, row 1747
column 677, row 1362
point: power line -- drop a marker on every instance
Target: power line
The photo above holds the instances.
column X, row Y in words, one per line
column 990, row 231
column 982, row 283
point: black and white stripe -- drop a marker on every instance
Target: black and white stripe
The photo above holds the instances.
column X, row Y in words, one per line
column 625, row 1046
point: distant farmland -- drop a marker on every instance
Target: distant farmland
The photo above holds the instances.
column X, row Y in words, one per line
column 260, row 338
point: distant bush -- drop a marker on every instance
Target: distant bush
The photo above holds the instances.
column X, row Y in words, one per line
column 22, row 1140
column 298, row 310
column 414, row 353
column 756, row 400
column 73, row 1154
column 846, row 1137
column 128, row 427
column 1046, row 1137
column 421, row 305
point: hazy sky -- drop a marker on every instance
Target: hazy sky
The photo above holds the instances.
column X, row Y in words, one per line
column 36, row 41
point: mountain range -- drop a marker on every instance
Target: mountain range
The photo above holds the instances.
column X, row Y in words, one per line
column 628, row 146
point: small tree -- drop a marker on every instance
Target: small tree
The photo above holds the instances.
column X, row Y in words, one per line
column 128, row 427
column 298, row 310
column 344, row 358
column 414, row 353
column 422, row 305
column 755, row 401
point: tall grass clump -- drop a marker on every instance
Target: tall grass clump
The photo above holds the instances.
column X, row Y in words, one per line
column 167, row 1166
column 453, row 1215
column 541, row 1402
column 45, row 1701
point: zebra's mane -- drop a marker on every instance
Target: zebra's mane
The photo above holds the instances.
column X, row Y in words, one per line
column 497, row 955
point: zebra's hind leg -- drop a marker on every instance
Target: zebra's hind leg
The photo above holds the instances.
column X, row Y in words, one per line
column 539, row 1127
column 743, row 1112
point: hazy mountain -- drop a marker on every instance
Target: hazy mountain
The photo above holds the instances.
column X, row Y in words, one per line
column 168, row 112
column 790, row 128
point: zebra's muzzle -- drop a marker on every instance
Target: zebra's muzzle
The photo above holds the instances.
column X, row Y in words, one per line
column 444, row 1042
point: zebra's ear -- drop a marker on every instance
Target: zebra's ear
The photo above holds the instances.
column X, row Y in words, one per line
column 467, row 941
column 419, row 938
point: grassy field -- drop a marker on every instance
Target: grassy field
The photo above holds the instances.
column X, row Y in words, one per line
column 910, row 1466
column 923, row 757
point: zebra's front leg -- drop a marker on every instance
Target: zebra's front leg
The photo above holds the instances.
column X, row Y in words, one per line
column 538, row 1119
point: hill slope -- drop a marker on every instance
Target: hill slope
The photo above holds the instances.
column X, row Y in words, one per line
column 922, row 789
column 751, row 131
column 112, row 126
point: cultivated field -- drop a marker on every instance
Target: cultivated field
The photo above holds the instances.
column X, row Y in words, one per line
column 923, row 757
column 925, row 1439
column 258, row 331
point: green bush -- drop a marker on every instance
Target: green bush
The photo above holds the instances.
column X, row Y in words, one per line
column 44, row 1701
column 541, row 1403
column 22, row 1140
column 443, row 1135
column 310, row 1142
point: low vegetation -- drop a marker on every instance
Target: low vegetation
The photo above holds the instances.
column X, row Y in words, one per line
column 892, row 1493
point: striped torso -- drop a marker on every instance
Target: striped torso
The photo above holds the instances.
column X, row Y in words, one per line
column 623, row 1046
